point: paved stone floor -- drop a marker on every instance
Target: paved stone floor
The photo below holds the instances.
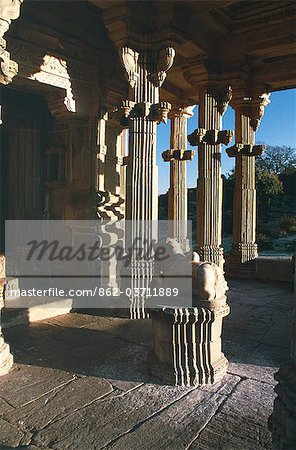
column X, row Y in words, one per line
column 81, row 382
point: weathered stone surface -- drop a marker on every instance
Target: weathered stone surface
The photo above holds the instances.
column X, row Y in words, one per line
column 102, row 422
column 139, row 332
column 136, row 413
column 60, row 402
column 27, row 383
column 241, row 423
column 4, row 407
column 179, row 424
column 10, row 436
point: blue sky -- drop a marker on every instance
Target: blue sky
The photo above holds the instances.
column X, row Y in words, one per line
column 278, row 127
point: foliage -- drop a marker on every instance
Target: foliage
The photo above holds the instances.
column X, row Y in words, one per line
column 269, row 187
column 287, row 224
column 264, row 242
column 276, row 159
column 288, row 178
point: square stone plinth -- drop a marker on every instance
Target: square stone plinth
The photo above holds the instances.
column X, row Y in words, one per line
column 187, row 345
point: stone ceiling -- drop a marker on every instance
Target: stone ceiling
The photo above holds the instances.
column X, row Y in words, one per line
column 251, row 40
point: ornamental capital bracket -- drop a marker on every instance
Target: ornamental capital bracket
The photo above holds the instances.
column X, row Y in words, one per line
column 253, row 106
column 210, row 137
column 157, row 112
column 177, row 155
column 245, row 150
column 157, row 63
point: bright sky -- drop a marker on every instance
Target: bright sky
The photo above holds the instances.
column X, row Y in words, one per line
column 278, row 127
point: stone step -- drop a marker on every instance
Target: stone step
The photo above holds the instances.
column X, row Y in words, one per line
column 25, row 310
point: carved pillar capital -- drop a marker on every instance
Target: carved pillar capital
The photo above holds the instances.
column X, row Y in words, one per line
column 153, row 65
column 185, row 112
column 9, row 10
column 252, row 106
column 156, row 63
column 203, row 73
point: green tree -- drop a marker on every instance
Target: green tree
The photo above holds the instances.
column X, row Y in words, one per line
column 276, row 159
column 269, row 188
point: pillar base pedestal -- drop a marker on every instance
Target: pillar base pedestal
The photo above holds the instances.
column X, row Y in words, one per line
column 242, row 261
column 187, row 345
column 6, row 358
column 282, row 423
column 211, row 253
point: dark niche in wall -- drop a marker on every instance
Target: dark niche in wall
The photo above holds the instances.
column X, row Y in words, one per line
column 56, row 166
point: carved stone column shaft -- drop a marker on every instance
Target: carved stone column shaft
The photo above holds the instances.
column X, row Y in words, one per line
column 9, row 10
column 178, row 156
column 248, row 113
column 6, row 358
column 244, row 205
column 209, row 137
column 146, row 72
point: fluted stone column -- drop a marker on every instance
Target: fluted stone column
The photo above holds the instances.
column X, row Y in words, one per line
column 213, row 102
column 146, row 71
column 283, row 420
column 248, row 113
column 6, row 358
column 178, row 156
column 9, row 10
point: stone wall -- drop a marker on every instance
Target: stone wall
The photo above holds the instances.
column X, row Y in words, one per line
column 275, row 268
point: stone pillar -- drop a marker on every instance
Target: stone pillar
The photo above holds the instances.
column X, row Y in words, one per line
column 177, row 155
column 146, row 71
column 248, row 113
column 9, row 10
column 110, row 183
column 6, row 358
column 283, row 420
column 213, row 102
column 110, row 174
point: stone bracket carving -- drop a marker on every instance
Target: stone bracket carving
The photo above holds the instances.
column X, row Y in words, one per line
column 163, row 62
column 245, row 150
column 178, row 155
column 8, row 68
column 211, row 137
column 130, row 61
column 157, row 63
column 257, row 109
column 157, row 112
